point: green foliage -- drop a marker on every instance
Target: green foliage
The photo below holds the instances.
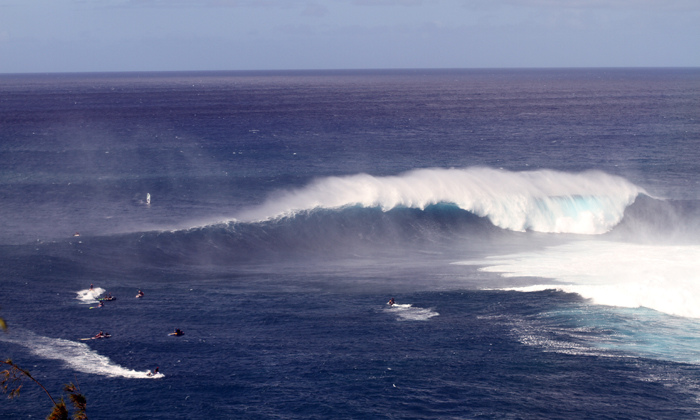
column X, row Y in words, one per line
column 59, row 412
column 12, row 379
column 12, row 384
column 78, row 400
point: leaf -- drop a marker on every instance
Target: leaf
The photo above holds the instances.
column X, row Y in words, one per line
column 59, row 412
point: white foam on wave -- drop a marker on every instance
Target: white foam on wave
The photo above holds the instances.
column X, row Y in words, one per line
column 589, row 202
column 90, row 296
column 665, row 278
column 77, row 356
column 407, row 312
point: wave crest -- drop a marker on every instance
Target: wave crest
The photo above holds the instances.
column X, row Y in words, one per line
column 590, row 202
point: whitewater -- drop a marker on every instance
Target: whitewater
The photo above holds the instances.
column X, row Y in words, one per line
column 547, row 201
column 665, row 278
column 538, row 230
column 74, row 355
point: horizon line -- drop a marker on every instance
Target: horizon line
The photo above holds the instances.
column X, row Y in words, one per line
column 344, row 70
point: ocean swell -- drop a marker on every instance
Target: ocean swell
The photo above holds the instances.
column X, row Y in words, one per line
column 591, row 202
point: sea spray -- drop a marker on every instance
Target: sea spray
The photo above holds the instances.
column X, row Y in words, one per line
column 88, row 296
column 665, row 278
column 408, row 312
column 591, row 202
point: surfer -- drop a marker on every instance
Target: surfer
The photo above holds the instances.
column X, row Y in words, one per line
column 109, row 297
column 90, row 286
column 98, row 336
column 99, row 305
column 391, row 302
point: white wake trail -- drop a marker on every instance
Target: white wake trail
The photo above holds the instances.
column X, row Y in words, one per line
column 408, row 312
column 77, row 356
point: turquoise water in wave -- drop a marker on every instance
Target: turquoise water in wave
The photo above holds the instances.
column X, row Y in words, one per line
column 537, row 228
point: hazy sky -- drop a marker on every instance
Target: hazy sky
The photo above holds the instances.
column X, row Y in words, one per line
column 150, row 35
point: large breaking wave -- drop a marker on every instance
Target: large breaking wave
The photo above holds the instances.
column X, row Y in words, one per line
column 591, row 202
column 422, row 209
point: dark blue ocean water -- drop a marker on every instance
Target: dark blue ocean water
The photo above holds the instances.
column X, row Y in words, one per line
column 537, row 228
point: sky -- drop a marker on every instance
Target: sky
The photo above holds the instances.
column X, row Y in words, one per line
column 38, row 36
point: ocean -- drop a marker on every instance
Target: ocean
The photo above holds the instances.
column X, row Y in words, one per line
column 537, row 228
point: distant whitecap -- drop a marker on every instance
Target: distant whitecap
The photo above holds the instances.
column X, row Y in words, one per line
column 407, row 312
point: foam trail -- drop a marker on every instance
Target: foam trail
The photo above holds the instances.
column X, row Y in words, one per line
column 406, row 312
column 89, row 296
column 77, row 356
column 545, row 201
column 665, row 278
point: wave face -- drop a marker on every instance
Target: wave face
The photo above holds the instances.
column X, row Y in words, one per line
column 341, row 232
column 422, row 209
column 548, row 201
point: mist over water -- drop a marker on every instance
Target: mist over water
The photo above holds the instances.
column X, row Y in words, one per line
column 537, row 228
column 650, row 259
column 542, row 201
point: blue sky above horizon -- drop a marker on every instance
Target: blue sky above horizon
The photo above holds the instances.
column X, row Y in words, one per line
column 175, row 35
